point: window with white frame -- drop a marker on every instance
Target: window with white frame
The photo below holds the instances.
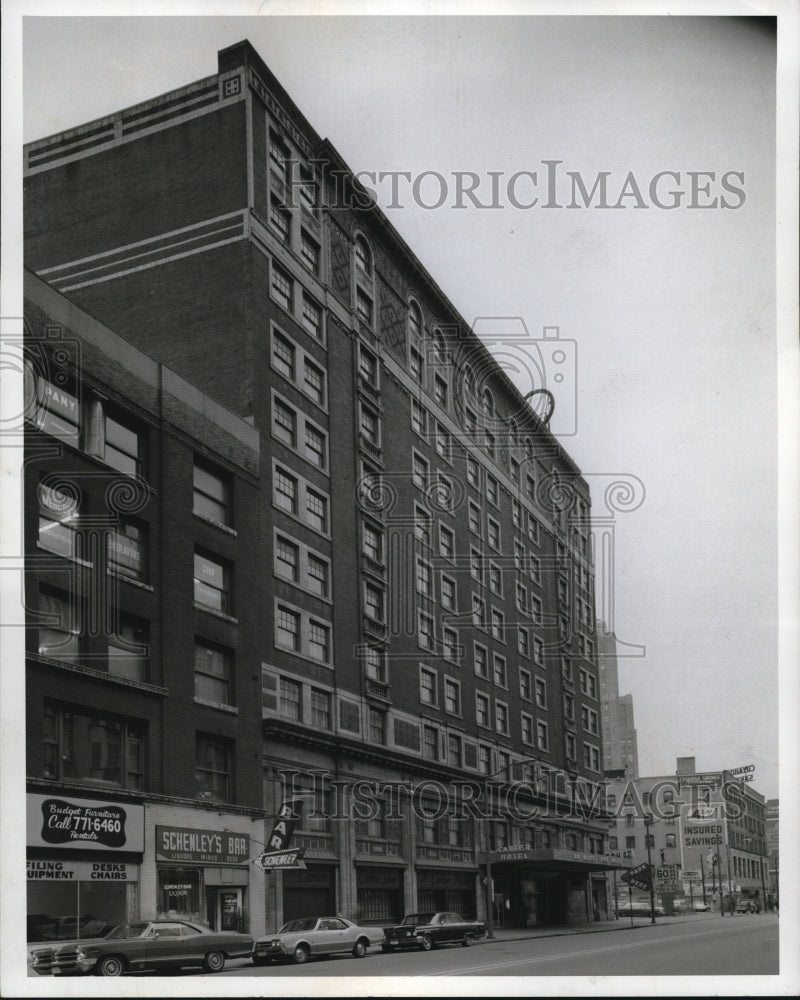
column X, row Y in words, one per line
column 525, row 684
column 481, row 659
column 498, row 625
column 447, row 543
column 500, row 671
column 452, row 696
column 428, row 686
column 542, row 736
column 540, row 687
column 482, row 709
column 501, row 717
column 523, row 641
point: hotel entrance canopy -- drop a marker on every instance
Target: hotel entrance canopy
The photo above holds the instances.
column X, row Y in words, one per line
column 556, row 859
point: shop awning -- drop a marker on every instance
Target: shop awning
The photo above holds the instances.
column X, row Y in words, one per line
column 559, row 860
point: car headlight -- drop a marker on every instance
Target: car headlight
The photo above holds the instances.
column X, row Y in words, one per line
column 80, row 954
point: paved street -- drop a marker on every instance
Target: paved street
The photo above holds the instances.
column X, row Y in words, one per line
column 697, row 945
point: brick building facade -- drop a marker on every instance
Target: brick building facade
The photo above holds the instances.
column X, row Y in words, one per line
column 422, row 590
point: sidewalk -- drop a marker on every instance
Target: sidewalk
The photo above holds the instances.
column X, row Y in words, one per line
column 593, row 927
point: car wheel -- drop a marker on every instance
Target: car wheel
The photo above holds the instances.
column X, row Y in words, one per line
column 360, row 948
column 301, row 954
column 426, row 942
column 260, row 960
column 467, row 940
column 110, row 965
column 214, row 961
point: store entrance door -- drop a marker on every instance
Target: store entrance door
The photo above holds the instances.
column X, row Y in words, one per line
column 226, row 909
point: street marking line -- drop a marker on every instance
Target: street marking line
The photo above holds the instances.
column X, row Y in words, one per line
column 589, row 951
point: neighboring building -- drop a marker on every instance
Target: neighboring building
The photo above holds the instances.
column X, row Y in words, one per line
column 143, row 724
column 620, row 747
column 420, row 591
column 711, row 823
column 772, row 813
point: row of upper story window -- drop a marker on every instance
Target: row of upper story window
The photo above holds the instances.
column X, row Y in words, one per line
column 92, row 747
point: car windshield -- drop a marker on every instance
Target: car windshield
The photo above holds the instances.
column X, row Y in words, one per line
column 129, row 930
column 305, row 924
column 418, row 918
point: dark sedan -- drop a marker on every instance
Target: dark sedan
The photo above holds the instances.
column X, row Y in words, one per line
column 425, row 930
column 143, row 945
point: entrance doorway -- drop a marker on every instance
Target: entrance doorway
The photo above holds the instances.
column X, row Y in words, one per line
column 225, row 909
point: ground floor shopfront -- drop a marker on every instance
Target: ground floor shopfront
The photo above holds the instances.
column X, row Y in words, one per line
column 94, row 863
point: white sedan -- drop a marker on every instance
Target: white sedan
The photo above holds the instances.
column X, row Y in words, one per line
column 310, row 936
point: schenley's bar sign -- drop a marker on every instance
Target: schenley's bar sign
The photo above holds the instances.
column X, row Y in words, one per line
column 178, row 843
column 278, row 854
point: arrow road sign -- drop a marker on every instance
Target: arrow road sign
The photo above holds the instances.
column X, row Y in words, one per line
column 639, row 877
column 269, row 861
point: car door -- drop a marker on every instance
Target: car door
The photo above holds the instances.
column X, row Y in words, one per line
column 165, row 944
column 335, row 935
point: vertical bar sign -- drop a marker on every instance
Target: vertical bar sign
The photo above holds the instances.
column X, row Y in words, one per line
column 277, row 854
column 285, row 823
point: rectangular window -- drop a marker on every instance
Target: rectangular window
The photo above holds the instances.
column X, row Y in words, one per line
column 287, row 559
column 454, row 750
column 285, row 491
column 422, row 526
column 523, row 642
column 534, row 568
column 319, row 641
column 525, row 689
column 425, row 630
column 476, row 565
column 372, row 539
column 287, row 629
column 291, row 700
column 514, row 471
column 536, row 610
column 527, row 728
column 541, row 693
column 495, row 579
column 374, row 602
column 493, row 535
column 470, row 421
column 588, row 684
column 481, row 658
column 630, row 843
column 500, row 671
column 442, row 442
column 315, row 446
column 478, row 612
column 538, row 651
column 419, row 421
column 498, row 625
column 669, row 840
column 427, row 687
column 128, row 650
column 542, row 737
column 415, row 364
column 59, row 411
column 448, row 593
column 450, row 644
column 316, row 510
column 61, row 637
column 317, row 575
column 284, row 423
column 212, row 494
column 213, row 673
column 58, row 521
column 212, row 583
column 516, row 514
column 481, row 709
column 377, row 725
column 368, row 366
column 447, row 544
column 430, row 743
column 571, row 745
column 474, row 518
column 280, row 220
column 591, row 757
column 485, row 753
column 369, row 425
column 127, row 549
column 320, row 709
column 309, row 252
column 473, row 472
column 569, row 707
column 452, row 696
column 419, row 473
column 93, row 747
column 501, row 717
column 522, row 598
column 213, row 768
column 312, row 317
column 281, row 288
column 314, row 382
column 489, row 443
column 440, row 391
column 492, row 490
column 123, row 447
column 363, row 306
column 375, row 660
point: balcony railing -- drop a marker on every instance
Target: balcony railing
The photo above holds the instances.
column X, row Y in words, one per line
column 374, row 628
column 378, row 689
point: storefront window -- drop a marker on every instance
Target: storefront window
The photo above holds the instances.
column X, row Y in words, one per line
column 71, row 902
column 179, row 892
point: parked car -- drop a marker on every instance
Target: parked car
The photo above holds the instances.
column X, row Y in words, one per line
column 144, row 944
column 308, row 937
column 745, row 906
column 700, row 907
column 424, row 930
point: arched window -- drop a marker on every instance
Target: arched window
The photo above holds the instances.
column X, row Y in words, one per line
column 488, row 402
column 414, row 319
column 363, row 256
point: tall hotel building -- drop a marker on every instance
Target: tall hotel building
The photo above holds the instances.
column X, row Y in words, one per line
column 389, row 614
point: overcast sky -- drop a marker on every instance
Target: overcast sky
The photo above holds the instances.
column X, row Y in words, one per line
column 672, row 310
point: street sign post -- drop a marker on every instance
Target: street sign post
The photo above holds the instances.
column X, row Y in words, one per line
column 667, row 878
column 640, row 877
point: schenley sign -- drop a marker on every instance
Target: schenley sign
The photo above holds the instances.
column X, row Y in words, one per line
column 556, row 854
column 177, row 843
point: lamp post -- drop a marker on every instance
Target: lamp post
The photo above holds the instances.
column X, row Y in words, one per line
column 751, row 840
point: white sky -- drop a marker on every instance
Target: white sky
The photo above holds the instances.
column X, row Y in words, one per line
column 673, row 312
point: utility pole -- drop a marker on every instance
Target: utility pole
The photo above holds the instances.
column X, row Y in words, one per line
column 648, row 820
